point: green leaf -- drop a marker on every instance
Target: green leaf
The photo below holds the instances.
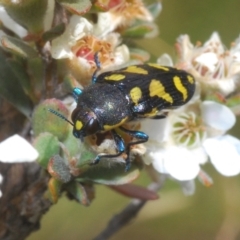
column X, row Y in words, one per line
column 78, row 192
column 141, row 30
column 11, row 89
column 80, row 155
column 47, row 146
column 78, row 7
column 111, row 172
column 45, row 121
column 28, row 13
column 20, row 72
column 54, row 32
column 58, row 169
column 54, row 190
column 17, row 46
column 73, row 145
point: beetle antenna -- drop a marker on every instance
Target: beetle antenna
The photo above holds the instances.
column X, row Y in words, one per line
column 60, row 115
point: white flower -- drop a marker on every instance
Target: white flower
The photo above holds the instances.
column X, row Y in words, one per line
column 77, row 28
column 122, row 14
column 212, row 63
column 79, row 44
column 217, row 116
column 178, row 162
column 16, row 149
column 224, row 153
column 181, row 145
column 165, row 60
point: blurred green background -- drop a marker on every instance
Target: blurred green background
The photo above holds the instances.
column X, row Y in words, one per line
column 211, row 213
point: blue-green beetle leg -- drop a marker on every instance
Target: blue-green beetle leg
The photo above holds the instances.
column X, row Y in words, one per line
column 76, row 92
column 141, row 136
column 120, row 148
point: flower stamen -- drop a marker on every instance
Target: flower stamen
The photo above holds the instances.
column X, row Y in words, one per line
column 188, row 130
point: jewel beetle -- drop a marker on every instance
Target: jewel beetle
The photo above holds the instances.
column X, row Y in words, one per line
column 131, row 93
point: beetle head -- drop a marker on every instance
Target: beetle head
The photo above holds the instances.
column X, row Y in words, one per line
column 85, row 123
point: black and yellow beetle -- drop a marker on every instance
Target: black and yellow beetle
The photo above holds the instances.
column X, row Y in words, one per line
column 127, row 94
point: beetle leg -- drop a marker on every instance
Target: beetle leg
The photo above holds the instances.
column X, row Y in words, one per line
column 141, row 136
column 120, row 148
column 76, row 92
column 161, row 116
column 98, row 65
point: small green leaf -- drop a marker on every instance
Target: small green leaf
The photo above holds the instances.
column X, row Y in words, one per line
column 73, row 145
column 45, row 121
column 28, row 13
column 78, row 192
column 141, row 30
column 54, row 32
column 111, row 172
column 54, row 190
column 87, row 156
column 78, row 7
column 11, row 89
column 47, row 146
column 17, row 46
column 58, row 169
column 20, row 72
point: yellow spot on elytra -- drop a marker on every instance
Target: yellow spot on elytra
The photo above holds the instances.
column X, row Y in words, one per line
column 136, row 69
column 78, row 125
column 135, row 94
column 190, row 79
column 179, row 86
column 115, row 77
column 152, row 113
column 155, row 65
column 109, row 127
column 157, row 89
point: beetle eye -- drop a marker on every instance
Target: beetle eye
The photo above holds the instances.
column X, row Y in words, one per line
column 92, row 126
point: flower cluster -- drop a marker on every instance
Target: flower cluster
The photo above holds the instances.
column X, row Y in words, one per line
column 67, row 41
column 197, row 132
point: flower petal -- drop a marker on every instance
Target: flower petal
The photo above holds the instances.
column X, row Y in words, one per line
column 217, row 116
column 78, row 28
column 208, row 59
column 156, row 130
column 17, row 149
column 181, row 164
column 214, row 44
column 165, row 60
column 157, row 161
column 224, row 153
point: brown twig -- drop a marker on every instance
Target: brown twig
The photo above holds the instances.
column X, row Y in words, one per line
column 22, row 203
